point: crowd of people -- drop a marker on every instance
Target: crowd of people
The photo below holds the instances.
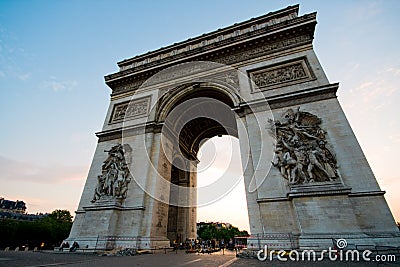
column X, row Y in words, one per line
column 203, row 246
column 65, row 245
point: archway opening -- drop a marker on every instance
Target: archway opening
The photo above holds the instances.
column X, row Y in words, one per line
column 177, row 216
column 220, row 156
column 195, row 120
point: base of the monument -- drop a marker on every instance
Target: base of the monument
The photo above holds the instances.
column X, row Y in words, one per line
column 349, row 240
column 102, row 243
column 319, row 242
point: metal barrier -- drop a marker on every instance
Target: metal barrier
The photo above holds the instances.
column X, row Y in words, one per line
column 273, row 240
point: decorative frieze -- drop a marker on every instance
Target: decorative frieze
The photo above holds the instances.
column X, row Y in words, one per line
column 181, row 71
column 283, row 74
column 250, row 53
column 236, row 56
column 229, row 78
column 129, row 86
column 280, row 75
column 130, row 109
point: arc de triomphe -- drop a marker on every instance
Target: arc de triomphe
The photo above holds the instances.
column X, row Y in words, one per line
column 306, row 178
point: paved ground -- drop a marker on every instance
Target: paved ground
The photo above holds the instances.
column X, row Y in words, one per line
column 35, row 259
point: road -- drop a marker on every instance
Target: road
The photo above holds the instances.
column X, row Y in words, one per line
column 47, row 259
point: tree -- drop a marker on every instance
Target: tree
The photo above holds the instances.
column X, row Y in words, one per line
column 50, row 230
column 58, row 223
column 210, row 231
column 207, row 232
column 61, row 216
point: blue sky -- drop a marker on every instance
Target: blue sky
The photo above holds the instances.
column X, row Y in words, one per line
column 54, row 55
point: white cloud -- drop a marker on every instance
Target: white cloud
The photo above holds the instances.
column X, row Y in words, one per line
column 394, row 71
column 364, row 85
column 24, row 77
column 366, row 11
column 57, row 86
column 378, row 90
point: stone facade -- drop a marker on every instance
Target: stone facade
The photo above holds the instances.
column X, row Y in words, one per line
column 319, row 186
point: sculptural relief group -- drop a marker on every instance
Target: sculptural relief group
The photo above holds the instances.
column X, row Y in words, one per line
column 115, row 177
column 303, row 154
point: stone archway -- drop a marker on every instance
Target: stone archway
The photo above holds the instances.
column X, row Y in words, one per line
column 200, row 113
column 307, row 180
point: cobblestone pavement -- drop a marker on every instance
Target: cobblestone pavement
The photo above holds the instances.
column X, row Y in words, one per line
column 34, row 259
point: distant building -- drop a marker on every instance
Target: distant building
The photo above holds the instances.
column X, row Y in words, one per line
column 16, row 210
column 21, row 217
column 12, row 206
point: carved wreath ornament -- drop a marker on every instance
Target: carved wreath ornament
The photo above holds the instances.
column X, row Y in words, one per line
column 302, row 151
column 115, row 176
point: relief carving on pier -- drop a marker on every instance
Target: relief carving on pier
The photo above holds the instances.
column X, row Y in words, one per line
column 303, row 153
column 115, row 176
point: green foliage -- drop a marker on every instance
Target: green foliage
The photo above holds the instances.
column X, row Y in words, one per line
column 50, row 230
column 61, row 216
column 207, row 232
column 210, row 231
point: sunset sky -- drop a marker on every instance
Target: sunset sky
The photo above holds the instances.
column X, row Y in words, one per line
column 54, row 55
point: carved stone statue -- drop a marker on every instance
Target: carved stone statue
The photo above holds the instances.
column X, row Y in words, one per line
column 302, row 155
column 115, row 176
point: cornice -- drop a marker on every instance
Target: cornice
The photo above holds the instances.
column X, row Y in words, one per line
column 283, row 35
column 367, row 194
column 173, row 57
column 272, row 199
column 277, row 101
column 317, row 190
column 121, row 132
column 111, row 207
column 303, row 96
column 263, row 21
